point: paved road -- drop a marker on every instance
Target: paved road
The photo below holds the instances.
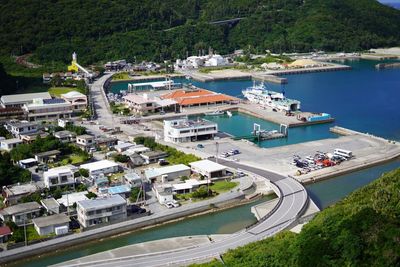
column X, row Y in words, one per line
column 293, row 200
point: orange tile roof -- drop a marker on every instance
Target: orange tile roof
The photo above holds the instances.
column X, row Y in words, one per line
column 185, row 93
column 204, row 99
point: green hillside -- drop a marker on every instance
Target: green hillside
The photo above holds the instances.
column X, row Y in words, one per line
column 162, row 29
column 361, row 230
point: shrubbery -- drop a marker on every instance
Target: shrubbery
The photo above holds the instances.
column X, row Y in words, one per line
column 174, row 156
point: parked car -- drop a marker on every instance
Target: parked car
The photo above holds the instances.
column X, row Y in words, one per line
column 169, row 205
column 200, row 146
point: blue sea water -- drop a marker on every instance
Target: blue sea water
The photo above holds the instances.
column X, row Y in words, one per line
column 363, row 99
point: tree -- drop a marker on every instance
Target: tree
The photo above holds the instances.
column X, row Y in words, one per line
column 56, row 80
column 136, row 193
column 84, row 172
column 202, row 192
column 91, row 195
column 184, row 178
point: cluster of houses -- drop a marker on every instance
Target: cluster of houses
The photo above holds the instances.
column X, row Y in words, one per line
column 177, row 101
column 112, row 202
column 41, row 106
column 123, row 65
column 194, row 62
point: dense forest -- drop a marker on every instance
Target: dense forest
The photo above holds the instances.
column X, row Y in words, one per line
column 361, row 230
column 100, row 30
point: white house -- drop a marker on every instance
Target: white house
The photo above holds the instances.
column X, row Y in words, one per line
column 133, row 179
column 185, row 130
column 58, row 224
column 68, row 200
column 188, row 186
column 20, row 128
column 163, row 193
column 9, row 144
column 123, row 146
column 208, row 168
column 60, row 176
column 215, row 60
column 102, row 166
column 85, row 141
column 101, row 210
column 168, row 173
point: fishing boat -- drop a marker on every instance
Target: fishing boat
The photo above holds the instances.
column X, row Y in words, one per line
column 215, row 113
column 260, row 95
column 229, row 113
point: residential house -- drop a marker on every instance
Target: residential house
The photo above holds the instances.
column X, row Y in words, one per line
column 60, row 176
column 65, row 136
column 13, row 193
column 68, row 200
column 106, row 142
column 163, row 193
column 101, row 167
column 153, row 156
column 54, row 224
column 101, row 210
column 21, row 213
column 123, row 146
column 5, row 234
column 167, row 174
column 21, row 128
column 86, row 142
column 47, row 156
column 208, row 168
column 51, row 205
column 133, row 179
column 9, row 144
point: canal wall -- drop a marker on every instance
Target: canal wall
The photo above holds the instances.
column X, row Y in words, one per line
column 118, row 228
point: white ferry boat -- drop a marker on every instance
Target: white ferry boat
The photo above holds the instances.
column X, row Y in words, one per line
column 260, row 95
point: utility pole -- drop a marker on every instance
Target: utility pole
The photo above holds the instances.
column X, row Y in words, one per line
column 216, row 155
column 26, row 241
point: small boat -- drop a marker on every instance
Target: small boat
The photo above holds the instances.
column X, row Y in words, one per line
column 229, row 113
column 215, row 113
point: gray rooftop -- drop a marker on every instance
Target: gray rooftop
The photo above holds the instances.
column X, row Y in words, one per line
column 51, row 220
column 48, row 153
column 101, row 203
column 24, row 98
column 20, row 189
column 21, row 208
column 50, row 203
column 61, row 134
column 85, row 136
column 22, row 124
column 11, row 141
column 151, row 154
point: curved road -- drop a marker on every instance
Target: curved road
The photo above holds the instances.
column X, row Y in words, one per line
column 293, row 201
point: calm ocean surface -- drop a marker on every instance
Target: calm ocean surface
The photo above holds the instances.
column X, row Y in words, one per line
column 363, row 99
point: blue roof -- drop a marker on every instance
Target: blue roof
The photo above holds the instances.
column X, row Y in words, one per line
column 119, row 189
column 53, row 101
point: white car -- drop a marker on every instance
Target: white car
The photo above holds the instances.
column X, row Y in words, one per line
column 169, row 205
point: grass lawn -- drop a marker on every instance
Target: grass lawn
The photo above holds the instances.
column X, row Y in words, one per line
column 57, row 91
column 223, row 186
column 121, row 76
